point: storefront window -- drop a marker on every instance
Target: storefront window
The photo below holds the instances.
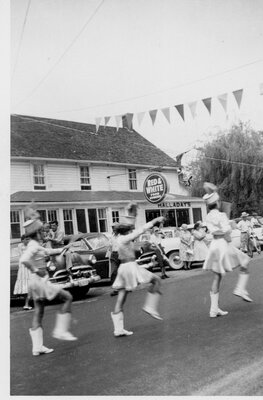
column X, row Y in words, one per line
column 102, row 220
column 81, row 220
column 151, row 214
column 68, row 222
column 15, row 225
column 182, row 216
column 197, row 214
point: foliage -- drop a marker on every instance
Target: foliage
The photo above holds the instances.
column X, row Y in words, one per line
column 234, row 162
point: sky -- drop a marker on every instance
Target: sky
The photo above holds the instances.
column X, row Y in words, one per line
column 80, row 60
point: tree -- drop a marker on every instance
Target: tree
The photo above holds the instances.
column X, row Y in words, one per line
column 233, row 161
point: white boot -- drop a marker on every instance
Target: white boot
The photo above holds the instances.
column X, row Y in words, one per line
column 240, row 289
column 118, row 323
column 37, row 342
column 215, row 311
column 151, row 305
column 61, row 327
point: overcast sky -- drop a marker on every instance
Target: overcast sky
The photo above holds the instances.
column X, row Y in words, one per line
column 82, row 59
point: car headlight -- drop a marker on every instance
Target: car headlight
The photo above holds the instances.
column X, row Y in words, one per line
column 93, row 259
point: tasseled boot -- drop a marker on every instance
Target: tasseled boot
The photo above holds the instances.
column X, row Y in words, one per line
column 215, row 311
column 151, row 305
column 118, row 323
column 240, row 289
column 61, row 330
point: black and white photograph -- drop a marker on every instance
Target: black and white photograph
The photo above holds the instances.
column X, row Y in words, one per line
column 133, row 197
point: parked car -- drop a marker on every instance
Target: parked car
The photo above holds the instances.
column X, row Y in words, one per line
column 92, row 266
column 78, row 279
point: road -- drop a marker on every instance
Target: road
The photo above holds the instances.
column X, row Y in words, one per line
column 187, row 353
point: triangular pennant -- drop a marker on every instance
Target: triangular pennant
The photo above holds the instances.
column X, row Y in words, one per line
column 153, row 114
column 180, row 109
column 140, row 117
column 222, row 98
column 192, row 105
column 97, row 120
column 129, row 118
column 118, row 119
column 166, row 113
column 106, row 119
column 238, row 96
column 261, row 89
column 208, row 102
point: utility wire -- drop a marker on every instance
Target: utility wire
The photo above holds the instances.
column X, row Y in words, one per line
column 62, row 55
column 21, row 38
column 163, row 90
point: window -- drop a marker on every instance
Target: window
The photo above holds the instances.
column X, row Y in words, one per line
column 197, row 214
column 102, row 217
column 85, row 178
column 47, row 215
column 15, row 225
column 68, row 222
column 115, row 216
column 132, row 179
column 39, row 177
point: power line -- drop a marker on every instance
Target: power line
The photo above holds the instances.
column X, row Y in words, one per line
column 62, row 55
column 163, row 90
column 234, row 162
column 21, row 38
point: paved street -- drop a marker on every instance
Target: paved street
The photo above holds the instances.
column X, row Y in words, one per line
column 186, row 354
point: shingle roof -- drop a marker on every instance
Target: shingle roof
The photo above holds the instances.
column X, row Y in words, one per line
column 57, row 139
column 84, row 196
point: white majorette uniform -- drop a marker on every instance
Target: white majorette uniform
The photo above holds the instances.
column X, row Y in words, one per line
column 40, row 287
column 130, row 274
column 222, row 255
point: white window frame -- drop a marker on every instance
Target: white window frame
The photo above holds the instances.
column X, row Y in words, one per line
column 16, row 221
column 68, row 220
column 132, row 180
column 103, row 218
column 115, row 216
column 42, row 186
column 84, row 177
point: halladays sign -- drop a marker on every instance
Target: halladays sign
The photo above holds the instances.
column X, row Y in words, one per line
column 155, row 188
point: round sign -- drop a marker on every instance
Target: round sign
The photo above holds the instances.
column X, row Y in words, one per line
column 155, row 188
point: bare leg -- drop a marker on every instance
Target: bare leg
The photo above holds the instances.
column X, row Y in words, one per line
column 38, row 314
column 122, row 295
column 66, row 297
column 216, row 283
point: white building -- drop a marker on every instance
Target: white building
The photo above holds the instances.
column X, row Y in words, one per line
column 85, row 180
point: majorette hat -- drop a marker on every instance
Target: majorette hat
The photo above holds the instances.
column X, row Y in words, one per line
column 211, row 195
column 32, row 225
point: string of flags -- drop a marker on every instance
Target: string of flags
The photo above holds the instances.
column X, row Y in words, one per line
column 207, row 102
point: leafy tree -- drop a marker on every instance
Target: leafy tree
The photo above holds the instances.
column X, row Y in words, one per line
column 233, row 161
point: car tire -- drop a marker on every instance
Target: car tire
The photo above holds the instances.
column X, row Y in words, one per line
column 80, row 292
column 174, row 260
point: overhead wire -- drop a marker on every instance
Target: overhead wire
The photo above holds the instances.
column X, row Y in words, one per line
column 62, row 55
column 21, row 39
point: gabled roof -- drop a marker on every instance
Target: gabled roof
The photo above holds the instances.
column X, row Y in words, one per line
column 86, row 196
column 56, row 139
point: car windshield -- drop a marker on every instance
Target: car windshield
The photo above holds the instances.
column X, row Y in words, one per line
column 98, row 241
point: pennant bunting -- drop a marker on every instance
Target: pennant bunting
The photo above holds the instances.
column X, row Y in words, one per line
column 261, row 89
column 166, row 113
column 153, row 114
column 97, row 120
column 140, row 117
column 238, row 96
column 208, row 102
column 129, row 118
column 106, row 119
column 180, row 109
column 118, row 119
column 222, row 98
column 192, row 105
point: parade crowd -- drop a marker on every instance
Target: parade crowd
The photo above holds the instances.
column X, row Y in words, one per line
column 217, row 253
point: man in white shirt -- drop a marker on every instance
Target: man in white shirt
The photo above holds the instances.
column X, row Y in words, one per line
column 245, row 227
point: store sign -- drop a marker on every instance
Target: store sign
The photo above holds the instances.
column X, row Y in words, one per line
column 176, row 204
column 155, row 188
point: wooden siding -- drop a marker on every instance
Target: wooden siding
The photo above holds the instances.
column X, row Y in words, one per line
column 20, row 176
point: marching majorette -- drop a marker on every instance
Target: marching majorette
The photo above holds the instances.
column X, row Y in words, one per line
column 41, row 289
column 222, row 256
column 130, row 274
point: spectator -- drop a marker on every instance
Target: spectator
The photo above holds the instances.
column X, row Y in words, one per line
column 23, row 275
column 186, row 252
column 57, row 235
column 159, row 250
column 245, row 227
column 200, row 247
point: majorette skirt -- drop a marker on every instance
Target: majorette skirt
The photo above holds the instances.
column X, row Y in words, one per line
column 130, row 275
column 41, row 288
column 223, row 257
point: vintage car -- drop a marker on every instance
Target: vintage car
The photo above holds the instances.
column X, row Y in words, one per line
column 89, row 266
column 77, row 279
